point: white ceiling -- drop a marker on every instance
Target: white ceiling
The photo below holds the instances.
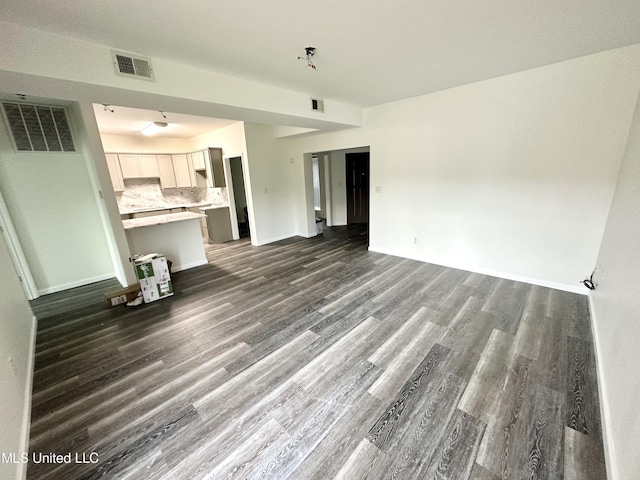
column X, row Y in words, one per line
column 130, row 121
column 369, row 51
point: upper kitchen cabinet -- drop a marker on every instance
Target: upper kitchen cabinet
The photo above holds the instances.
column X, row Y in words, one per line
column 198, row 160
column 167, row 173
column 139, row 166
column 129, row 166
column 114, row 171
column 182, row 170
column 216, row 176
column 148, row 166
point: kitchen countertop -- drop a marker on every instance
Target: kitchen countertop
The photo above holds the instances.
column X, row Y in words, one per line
column 160, row 219
column 128, row 211
column 212, row 207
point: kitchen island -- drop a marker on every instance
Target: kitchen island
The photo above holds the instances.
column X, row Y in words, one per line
column 176, row 235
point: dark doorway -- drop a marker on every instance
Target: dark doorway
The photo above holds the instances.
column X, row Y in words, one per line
column 239, row 194
column 357, row 187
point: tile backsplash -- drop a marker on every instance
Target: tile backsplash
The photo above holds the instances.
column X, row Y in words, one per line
column 146, row 193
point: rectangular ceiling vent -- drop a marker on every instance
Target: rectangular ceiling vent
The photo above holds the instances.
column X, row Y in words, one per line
column 317, row 104
column 128, row 65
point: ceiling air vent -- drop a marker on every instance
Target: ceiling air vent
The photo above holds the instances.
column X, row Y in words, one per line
column 317, row 104
column 128, row 65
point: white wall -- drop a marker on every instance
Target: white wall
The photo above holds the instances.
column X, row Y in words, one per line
column 53, row 207
column 230, row 138
column 271, row 178
column 616, row 316
column 17, row 336
column 511, row 176
column 104, row 195
column 322, row 179
column 41, row 63
column 338, row 187
column 143, row 144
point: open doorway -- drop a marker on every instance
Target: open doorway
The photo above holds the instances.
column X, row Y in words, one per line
column 333, row 194
column 238, row 196
column 321, row 191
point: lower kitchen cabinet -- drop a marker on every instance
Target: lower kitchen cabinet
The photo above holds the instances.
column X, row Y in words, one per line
column 219, row 224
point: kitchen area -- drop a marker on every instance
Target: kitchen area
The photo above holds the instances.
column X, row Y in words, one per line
column 171, row 202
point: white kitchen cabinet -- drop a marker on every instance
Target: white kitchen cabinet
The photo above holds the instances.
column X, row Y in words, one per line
column 182, row 170
column 129, row 166
column 148, row 166
column 192, row 171
column 167, row 174
column 114, row 171
column 139, row 166
column 198, row 160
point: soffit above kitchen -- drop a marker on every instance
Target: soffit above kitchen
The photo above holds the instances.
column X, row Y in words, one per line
column 367, row 53
column 118, row 120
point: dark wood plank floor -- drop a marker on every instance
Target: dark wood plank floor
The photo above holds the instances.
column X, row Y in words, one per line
column 316, row 359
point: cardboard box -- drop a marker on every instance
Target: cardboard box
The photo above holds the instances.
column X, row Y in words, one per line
column 122, row 296
column 154, row 276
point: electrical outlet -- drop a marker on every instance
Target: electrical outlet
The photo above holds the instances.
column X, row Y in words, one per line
column 415, row 239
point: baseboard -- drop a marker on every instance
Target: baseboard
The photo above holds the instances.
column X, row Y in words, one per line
column 305, row 235
column 607, row 439
column 276, row 239
column 79, row 283
column 186, row 266
column 26, row 413
column 493, row 273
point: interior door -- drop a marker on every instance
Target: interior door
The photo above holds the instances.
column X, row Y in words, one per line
column 357, row 187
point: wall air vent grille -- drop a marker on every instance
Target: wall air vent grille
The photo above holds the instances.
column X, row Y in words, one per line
column 39, row 128
column 128, row 65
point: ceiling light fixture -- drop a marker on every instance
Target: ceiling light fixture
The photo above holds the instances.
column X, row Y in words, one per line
column 153, row 128
column 310, row 52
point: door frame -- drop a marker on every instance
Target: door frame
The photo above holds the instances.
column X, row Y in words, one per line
column 16, row 253
column 235, row 230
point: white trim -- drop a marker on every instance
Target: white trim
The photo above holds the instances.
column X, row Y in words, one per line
column 231, row 194
column 15, row 251
column 26, row 413
column 485, row 271
column 305, row 235
column 278, row 238
column 77, row 283
column 328, row 193
column 186, row 266
column 605, row 416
